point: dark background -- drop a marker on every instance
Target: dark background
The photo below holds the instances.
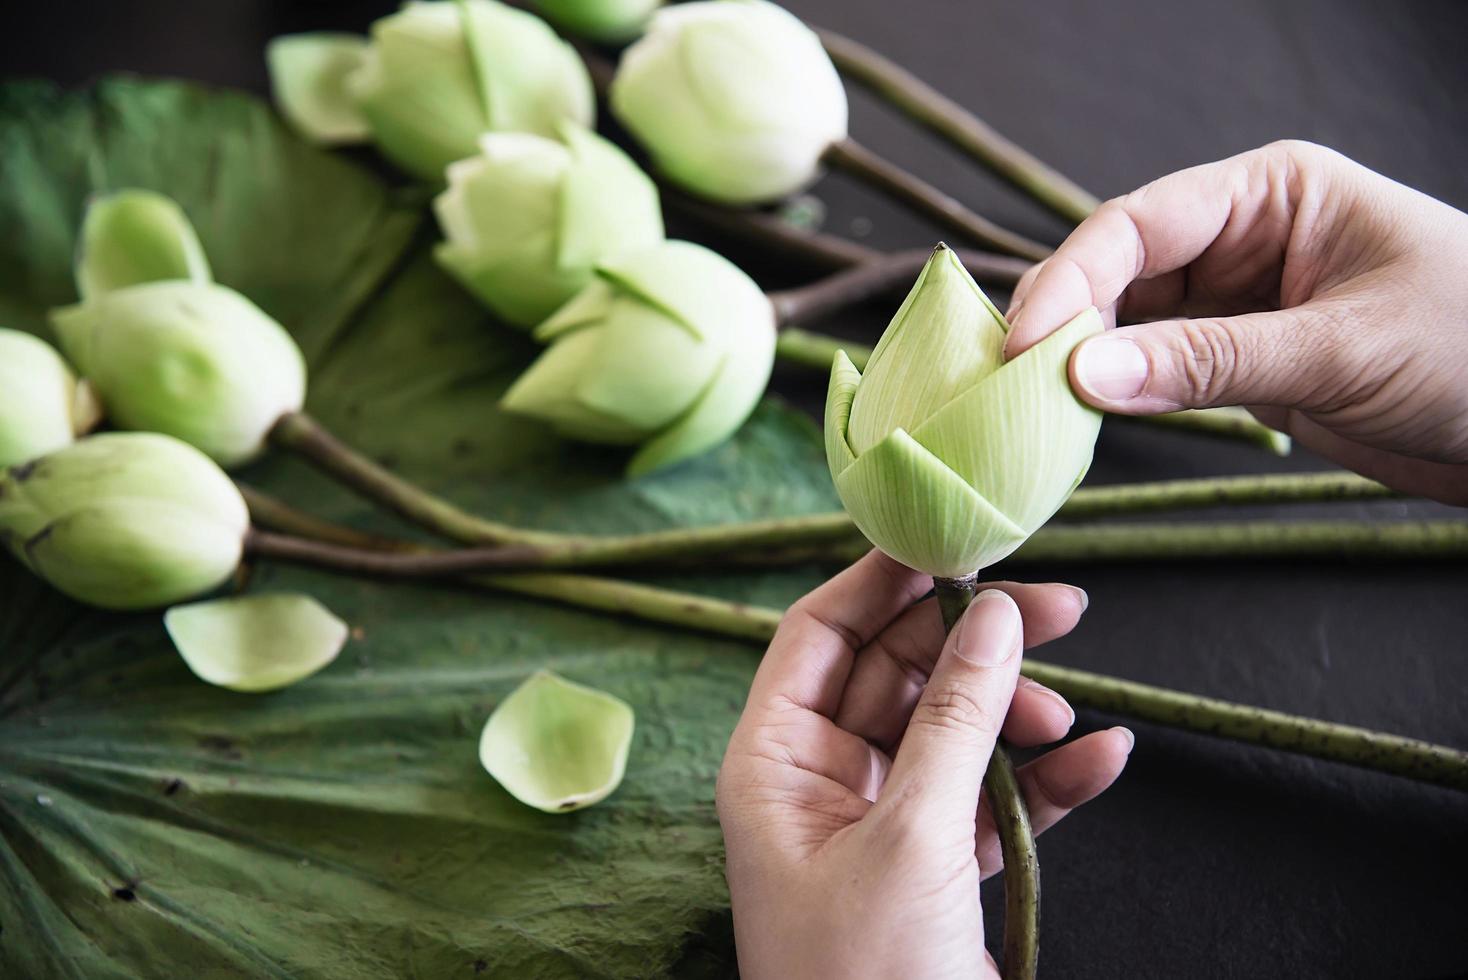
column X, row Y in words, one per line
column 1207, row 859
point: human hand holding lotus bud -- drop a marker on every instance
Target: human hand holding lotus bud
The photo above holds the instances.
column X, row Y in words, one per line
column 946, row 457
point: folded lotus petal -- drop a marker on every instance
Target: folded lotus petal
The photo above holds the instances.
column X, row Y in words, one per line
column 1020, row 437
column 680, row 278
column 556, row 745
column 528, row 78
column 256, row 642
column 199, row 362
column 647, row 370
column 308, row 74
column 548, row 391
column 920, row 512
column 607, row 206
column 584, row 309
column 944, row 340
column 42, row 405
column 135, row 236
column 844, row 381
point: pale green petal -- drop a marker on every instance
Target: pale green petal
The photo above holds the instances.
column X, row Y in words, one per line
column 1021, row 438
column 556, row 745
column 608, row 205
column 587, row 307
column 920, row 512
column 528, row 78
column 42, row 407
column 705, row 292
column 308, row 74
column 646, row 370
column 135, row 236
column 258, row 642
column 199, row 362
column 548, row 391
column 607, row 21
column 945, row 338
column 719, row 412
column 844, row 381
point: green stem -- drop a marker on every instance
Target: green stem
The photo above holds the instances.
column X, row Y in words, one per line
column 1226, row 423
column 808, row 349
column 960, row 127
column 1339, row 743
column 1268, row 488
column 1011, row 822
column 881, row 173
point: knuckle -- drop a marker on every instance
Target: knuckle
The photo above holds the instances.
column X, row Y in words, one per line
column 1208, row 353
column 953, row 709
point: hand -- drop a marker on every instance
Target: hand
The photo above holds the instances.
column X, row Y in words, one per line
column 844, row 861
column 1331, row 301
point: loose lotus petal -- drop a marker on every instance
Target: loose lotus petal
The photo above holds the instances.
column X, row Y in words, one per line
column 256, row 643
column 1020, row 437
column 557, row 746
column 945, row 339
column 42, row 407
column 844, row 381
column 734, row 99
column 308, row 74
column 607, row 21
column 124, row 520
column 135, row 236
column 913, row 507
column 200, row 362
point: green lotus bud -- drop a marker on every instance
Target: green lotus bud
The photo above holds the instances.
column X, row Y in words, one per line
column 669, row 348
column 734, row 99
column 946, row 456
column 135, row 236
column 200, row 362
column 556, row 745
column 124, row 520
column 528, row 218
column 433, row 78
column 610, row 21
column 42, row 405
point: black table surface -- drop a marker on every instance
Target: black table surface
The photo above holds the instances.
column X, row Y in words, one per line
column 1207, row 859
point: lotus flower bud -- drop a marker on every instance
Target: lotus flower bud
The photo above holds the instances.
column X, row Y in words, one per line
column 433, row 78
column 669, row 348
column 124, row 520
column 42, row 405
column 947, row 457
column 179, row 355
column 609, row 21
column 528, row 218
column 734, row 99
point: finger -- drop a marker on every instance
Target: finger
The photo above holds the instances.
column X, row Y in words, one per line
column 889, row 673
column 800, row 739
column 946, row 747
column 1149, row 232
column 1057, row 783
column 809, row 659
column 1281, row 358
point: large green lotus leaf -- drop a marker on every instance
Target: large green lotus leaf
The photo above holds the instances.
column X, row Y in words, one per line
column 151, row 825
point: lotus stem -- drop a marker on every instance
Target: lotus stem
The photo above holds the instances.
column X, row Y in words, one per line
column 1233, row 491
column 891, row 271
column 960, row 127
column 772, row 234
column 868, row 166
column 1228, row 423
column 1414, row 759
column 1011, row 821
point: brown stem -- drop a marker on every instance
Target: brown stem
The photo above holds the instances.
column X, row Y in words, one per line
column 857, row 160
column 891, row 271
column 1011, row 822
column 960, row 127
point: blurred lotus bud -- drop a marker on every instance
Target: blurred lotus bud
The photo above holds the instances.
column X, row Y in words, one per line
column 946, row 456
column 734, row 99
column 42, row 405
column 432, row 78
column 608, row 21
column 668, row 349
column 124, row 520
column 135, row 236
column 528, row 218
column 182, row 356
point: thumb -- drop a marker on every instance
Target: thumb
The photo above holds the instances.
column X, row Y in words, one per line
column 1256, row 359
column 940, row 766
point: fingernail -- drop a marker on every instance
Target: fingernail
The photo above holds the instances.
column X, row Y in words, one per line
column 1131, row 740
column 1081, row 596
column 1064, row 704
column 990, row 630
column 1111, row 368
